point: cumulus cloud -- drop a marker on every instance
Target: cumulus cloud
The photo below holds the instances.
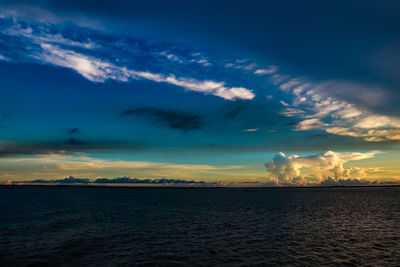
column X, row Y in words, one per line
column 297, row 170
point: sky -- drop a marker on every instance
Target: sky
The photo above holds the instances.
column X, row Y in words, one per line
column 235, row 92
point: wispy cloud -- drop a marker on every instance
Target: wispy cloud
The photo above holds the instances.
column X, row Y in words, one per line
column 97, row 70
column 250, row 130
column 269, row 70
column 87, row 57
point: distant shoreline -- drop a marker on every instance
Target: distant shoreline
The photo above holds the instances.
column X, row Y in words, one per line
column 187, row 187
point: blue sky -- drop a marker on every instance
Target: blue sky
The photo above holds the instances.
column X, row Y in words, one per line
column 265, row 92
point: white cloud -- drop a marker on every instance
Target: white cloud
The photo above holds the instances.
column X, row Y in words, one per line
column 269, row 70
column 296, row 170
column 291, row 112
column 61, row 51
column 97, row 70
column 276, row 79
column 284, row 103
column 204, row 62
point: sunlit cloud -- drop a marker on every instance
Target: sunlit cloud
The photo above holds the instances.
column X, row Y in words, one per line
column 297, row 170
column 319, row 110
column 269, row 70
column 63, row 165
column 250, row 130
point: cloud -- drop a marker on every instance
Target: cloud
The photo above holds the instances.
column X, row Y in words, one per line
column 269, row 70
column 250, row 130
column 296, row 170
column 321, row 111
column 173, row 119
column 98, row 60
column 309, row 124
column 292, row 112
column 20, row 9
column 120, row 180
column 91, row 68
column 45, row 36
column 69, row 180
column 128, row 180
column 207, row 87
column 73, row 130
column 289, row 84
column 171, row 56
column 97, row 70
column 61, row 147
column 241, row 64
column 56, row 166
column 74, row 142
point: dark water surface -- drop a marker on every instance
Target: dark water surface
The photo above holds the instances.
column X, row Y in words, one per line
column 84, row 226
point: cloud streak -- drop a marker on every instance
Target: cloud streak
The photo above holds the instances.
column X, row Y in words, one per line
column 319, row 110
column 87, row 57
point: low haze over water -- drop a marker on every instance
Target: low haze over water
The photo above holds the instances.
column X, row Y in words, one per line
column 86, row 226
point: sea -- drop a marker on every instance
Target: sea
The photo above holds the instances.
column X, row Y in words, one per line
column 117, row 226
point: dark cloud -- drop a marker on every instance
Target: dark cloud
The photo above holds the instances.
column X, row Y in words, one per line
column 344, row 39
column 73, row 130
column 172, row 119
column 233, row 113
column 69, row 180
column 69, row 146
